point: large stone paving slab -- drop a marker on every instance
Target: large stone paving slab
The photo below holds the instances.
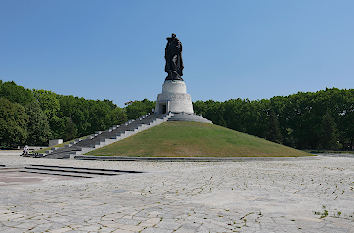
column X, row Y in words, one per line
column 14, row 177
column 314, row 195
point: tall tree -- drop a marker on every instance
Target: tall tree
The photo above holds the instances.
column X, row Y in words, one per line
column 329, row 137
column 70, row 130
column 49, row 103
column 274, row 133
column 139, row 108
column 15, row 93
column 13, row 124
column 38, row 127
column 118, row 116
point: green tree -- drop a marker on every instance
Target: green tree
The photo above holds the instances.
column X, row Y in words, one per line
column 100, row 116
column 118, row 116
column 70, row 130
column 345, row 118
column 329, row 137
column 57, row 127
column 274, row 133
column 38, row 127
column 213, row 111
column 199, row 107
column 13, row 123
column 233, row 114
column 139, row 108
column 15, row 93
column 49, row 103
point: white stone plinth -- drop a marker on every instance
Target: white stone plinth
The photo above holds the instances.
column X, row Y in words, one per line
column 174, row 98
column 55, row 142
column 174, row 86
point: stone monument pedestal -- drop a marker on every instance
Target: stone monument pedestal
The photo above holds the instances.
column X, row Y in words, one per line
column 174, row 98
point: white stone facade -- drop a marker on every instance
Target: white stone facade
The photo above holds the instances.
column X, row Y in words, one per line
column 174, row 98
column 55, row 142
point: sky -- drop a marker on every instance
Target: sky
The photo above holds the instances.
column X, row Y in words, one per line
column 114, row 49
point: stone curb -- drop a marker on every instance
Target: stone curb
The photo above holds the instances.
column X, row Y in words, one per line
column 189, row 159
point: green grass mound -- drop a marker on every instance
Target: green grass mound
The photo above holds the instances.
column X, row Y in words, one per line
column 189, row 139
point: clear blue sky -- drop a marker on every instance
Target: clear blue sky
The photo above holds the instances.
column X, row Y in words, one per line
column 232, row 49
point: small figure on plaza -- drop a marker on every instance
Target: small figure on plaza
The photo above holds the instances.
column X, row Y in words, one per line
column 173, row 56
column 25, row 151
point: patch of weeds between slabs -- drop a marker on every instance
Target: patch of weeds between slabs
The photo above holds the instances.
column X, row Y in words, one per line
column 322, row 214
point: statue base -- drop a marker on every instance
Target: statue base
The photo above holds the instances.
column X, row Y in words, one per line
column 174, row 98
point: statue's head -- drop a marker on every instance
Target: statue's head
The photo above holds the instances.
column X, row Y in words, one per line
column 173, row 35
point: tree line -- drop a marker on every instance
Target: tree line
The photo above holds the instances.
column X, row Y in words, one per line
column 311, row 120
column 34, row 116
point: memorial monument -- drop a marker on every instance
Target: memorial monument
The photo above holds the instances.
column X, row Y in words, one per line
column 174, row 97
column 173, row 56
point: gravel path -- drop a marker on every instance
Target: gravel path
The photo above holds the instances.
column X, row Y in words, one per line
column 315, row 195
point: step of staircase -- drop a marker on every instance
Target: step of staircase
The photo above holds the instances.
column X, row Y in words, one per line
column 84, row 168
column 70, row 170
column 9, row 169
column 81, row 172
column 189, row 117
column 55, row 173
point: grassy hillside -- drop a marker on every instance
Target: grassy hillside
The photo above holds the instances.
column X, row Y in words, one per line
column 194, row 139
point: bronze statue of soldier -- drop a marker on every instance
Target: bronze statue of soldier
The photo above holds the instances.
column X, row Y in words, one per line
column 173, row 56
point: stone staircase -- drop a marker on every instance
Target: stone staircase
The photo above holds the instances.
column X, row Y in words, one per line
column 81, row 172
column 103, row 138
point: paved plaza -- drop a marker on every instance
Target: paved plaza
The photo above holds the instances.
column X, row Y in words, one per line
column 298, row 195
